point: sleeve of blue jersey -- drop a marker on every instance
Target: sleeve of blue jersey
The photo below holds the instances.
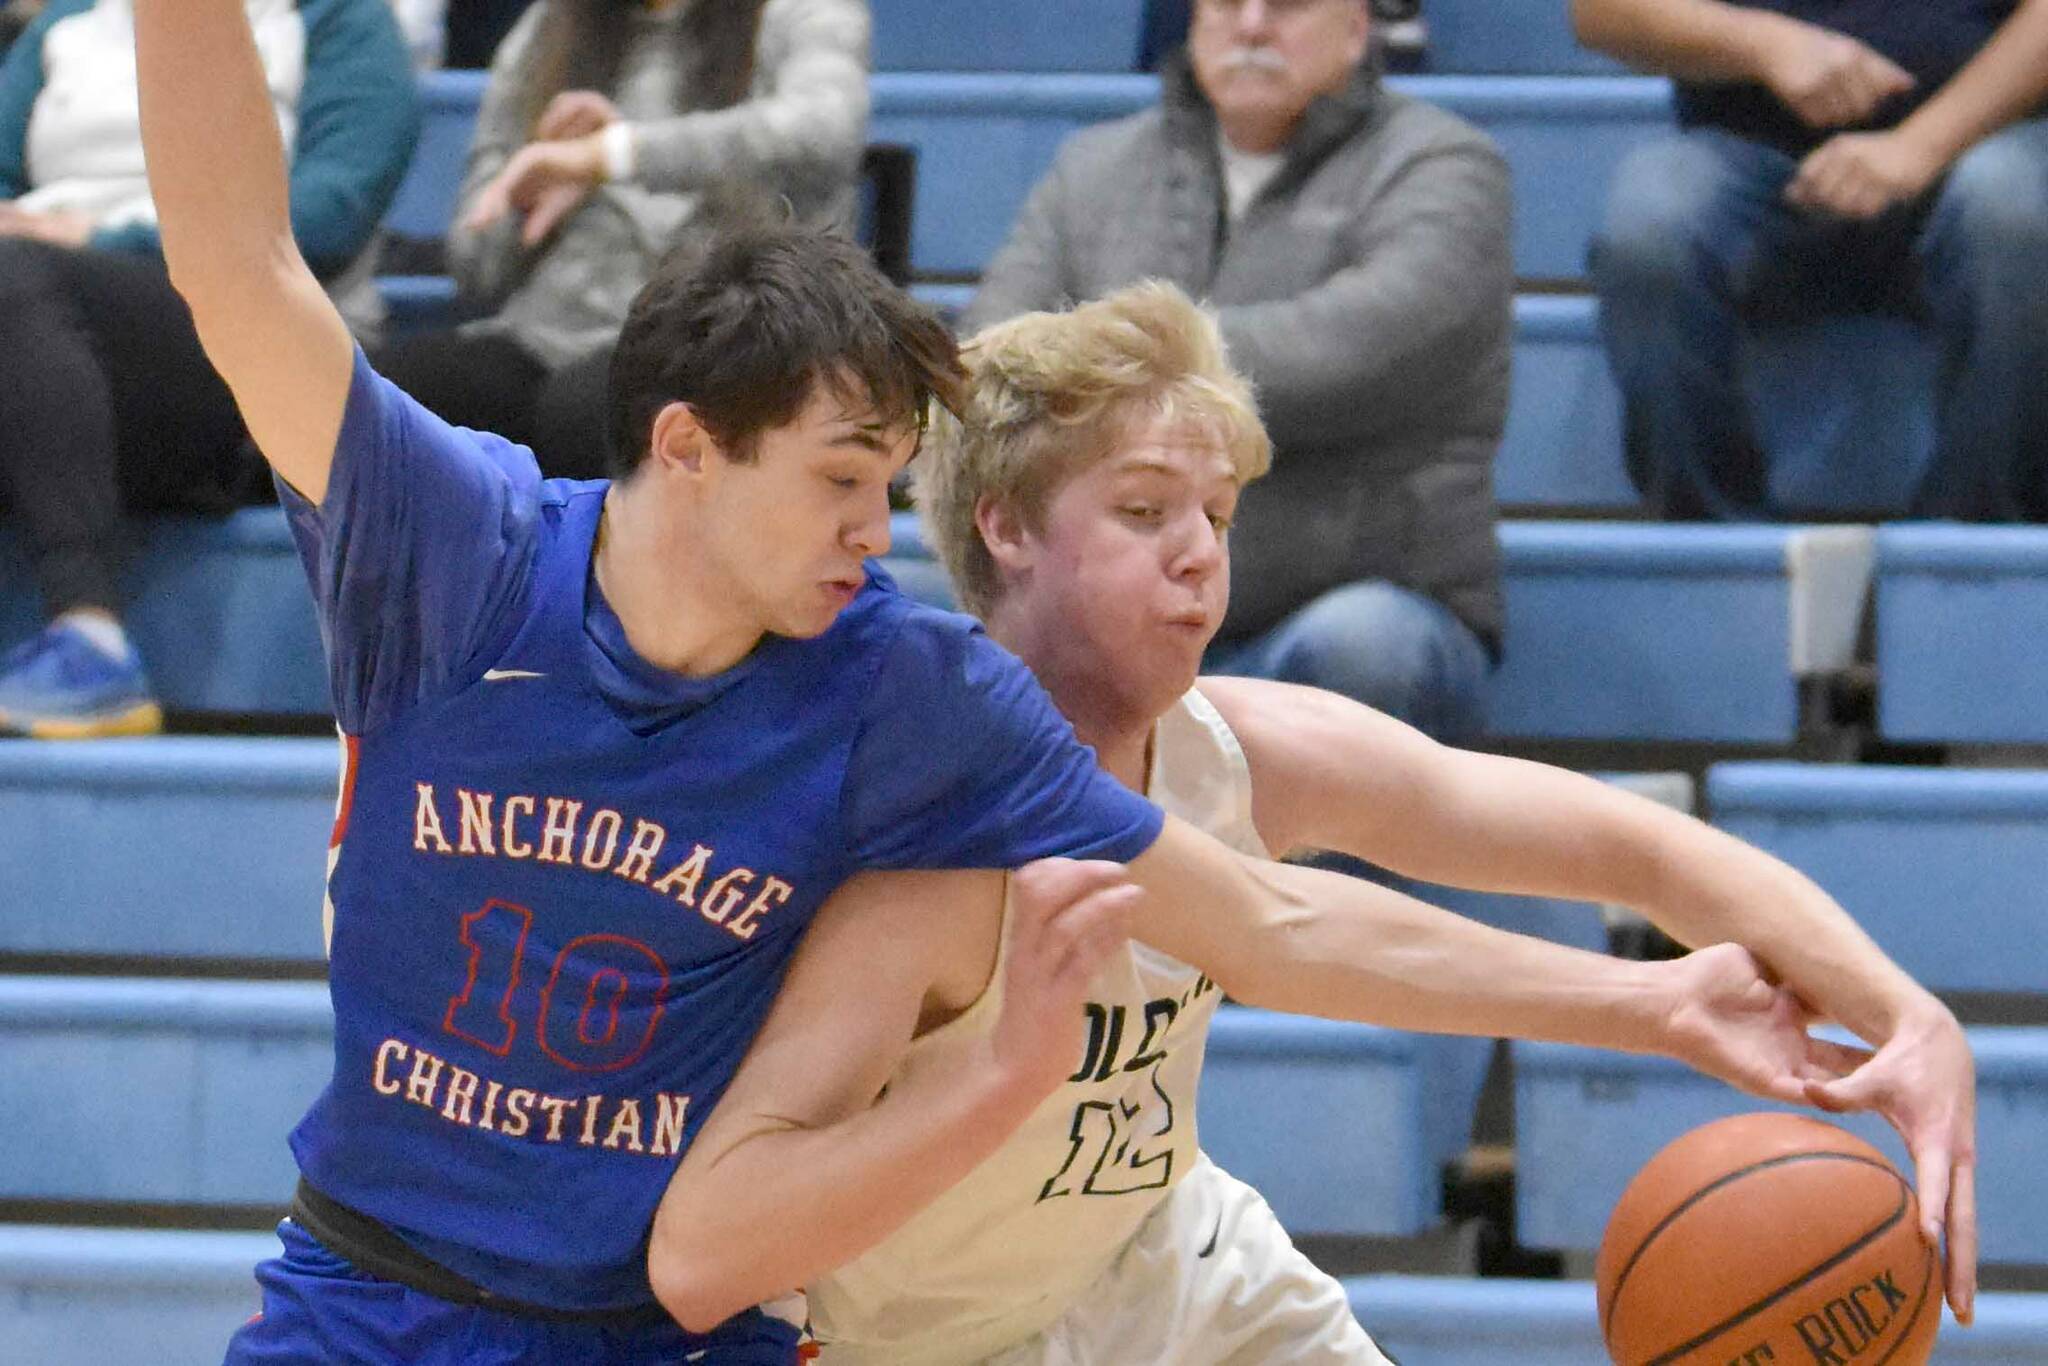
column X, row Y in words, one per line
column 418, row 555
column 962, row 761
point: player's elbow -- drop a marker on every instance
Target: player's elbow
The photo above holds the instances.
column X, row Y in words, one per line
column 690, row 1280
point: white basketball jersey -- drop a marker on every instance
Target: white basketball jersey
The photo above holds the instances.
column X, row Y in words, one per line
column 1010, row 1248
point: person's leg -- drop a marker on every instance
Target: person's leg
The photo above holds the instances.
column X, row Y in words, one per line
column 1984, row 272
column 485, row 381
column 56, row 431
column 111, row 392
column 1691, row 224
column 1391, row 648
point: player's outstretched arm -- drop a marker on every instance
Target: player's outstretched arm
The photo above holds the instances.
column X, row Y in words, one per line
column 217, row 175
column 1329, row 773
column 800, row 1168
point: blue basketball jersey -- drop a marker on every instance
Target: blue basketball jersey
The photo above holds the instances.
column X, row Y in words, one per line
column 566, row 884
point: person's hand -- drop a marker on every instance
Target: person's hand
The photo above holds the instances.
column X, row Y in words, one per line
column 59, row 227
column 1860, row 175
column 1924, row 1081
column 1728, row 1019
column 1065, row 919
column 545, row 181
column 575, row 114
column 1828, row 79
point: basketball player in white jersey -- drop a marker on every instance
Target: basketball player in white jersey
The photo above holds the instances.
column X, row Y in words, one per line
column 1084, row 522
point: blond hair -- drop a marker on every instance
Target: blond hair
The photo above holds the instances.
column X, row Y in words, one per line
column 1050, row 394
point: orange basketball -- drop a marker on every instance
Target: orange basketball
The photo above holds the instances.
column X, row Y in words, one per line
column 1768, row 1239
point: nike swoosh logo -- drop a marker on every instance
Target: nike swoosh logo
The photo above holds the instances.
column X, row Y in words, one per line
column 1214, row 1233
column 500, row 675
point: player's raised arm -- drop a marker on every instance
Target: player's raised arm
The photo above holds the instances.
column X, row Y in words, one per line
column 800, row 1169
column 217, row 175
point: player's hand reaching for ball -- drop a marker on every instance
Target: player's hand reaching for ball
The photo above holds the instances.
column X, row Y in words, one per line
column 1066, row 918
column 1731, row 1021
column 1924, row 1081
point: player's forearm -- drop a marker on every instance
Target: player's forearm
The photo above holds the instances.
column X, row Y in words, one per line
column 2006, row 80
column 1707, row 887
column 784, row 1205
column 1369, row 954
column 1701, row 40
column 215, row 158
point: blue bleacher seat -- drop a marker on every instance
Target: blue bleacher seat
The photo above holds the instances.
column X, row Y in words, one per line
column 426, row 198
column 171, row 1091
column 1960, row 650
column 1655, row 632
column 1562, row 446
column 1448, row 1321
column 1562, row 136
column 218, row 608
column 116, row 1297
column 1929, row 860
column 1509, row 38
column 1454, row 1321
column 1049, row 35
column 187, row 847
column 1329, row 1120
column 1587, row 1120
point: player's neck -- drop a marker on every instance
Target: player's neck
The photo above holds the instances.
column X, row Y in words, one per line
column 674, row 616
column 1117, row 726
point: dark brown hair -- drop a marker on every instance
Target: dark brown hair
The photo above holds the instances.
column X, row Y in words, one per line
column 743, row 325
column 580, row 43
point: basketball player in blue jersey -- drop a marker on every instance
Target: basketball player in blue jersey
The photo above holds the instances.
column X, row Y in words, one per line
column 610, row 745
column 1085, row 524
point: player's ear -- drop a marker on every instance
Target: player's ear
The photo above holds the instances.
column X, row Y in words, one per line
column 679, row 441
column 1004, row 532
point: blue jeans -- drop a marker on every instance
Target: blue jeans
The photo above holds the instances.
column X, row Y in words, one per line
column 1699, row 243
column 1380, row 644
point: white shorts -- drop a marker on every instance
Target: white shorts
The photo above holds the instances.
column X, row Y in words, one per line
column 1211, row 1279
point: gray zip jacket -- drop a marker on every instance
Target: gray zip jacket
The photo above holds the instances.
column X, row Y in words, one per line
column 1368, row 292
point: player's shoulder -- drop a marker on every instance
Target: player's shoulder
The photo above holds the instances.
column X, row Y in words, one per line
column 1279, row 725
column 915, row 645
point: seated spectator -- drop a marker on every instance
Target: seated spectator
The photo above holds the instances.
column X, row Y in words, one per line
column 110, row 403
column 1879, row 155
column 1354, row 244
column 603, row 127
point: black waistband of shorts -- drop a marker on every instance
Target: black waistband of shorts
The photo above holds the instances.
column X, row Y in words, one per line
column 369, row 1246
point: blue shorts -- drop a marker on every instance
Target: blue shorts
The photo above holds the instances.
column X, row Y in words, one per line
column 318, row 1308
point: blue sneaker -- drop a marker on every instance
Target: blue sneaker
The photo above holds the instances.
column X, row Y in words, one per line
column 60, row 686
